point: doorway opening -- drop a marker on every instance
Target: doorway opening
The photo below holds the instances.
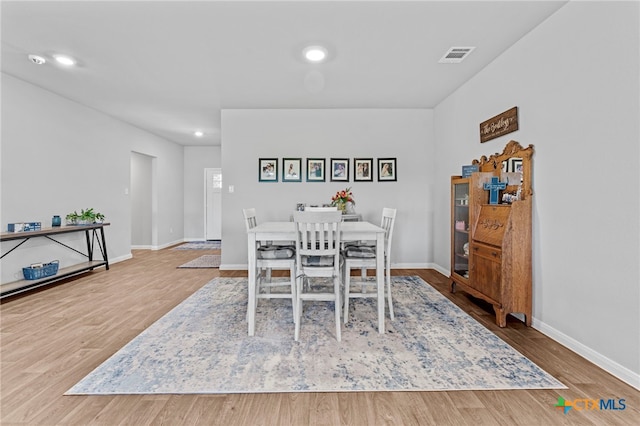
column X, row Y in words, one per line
column 213, row 204
column 143, row 201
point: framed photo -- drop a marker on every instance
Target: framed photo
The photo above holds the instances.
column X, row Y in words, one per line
column 363, row 169
column 292, row 169
column 268, row 170
column 339, row 170
column 515, row 165
column 387, row 169
column 315, row 169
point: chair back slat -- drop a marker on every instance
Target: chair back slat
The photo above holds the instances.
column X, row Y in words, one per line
column 387, row 223
column 250, row 218
column 317, row 233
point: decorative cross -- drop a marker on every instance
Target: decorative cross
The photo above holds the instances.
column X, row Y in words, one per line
column 493, row 187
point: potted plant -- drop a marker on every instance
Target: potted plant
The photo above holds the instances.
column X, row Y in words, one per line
column 99, row 218
column 72, row 218
column 85, row 217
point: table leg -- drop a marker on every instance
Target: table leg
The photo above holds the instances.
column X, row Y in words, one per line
column 104, row 248
column 251, row 283
column 380, row 280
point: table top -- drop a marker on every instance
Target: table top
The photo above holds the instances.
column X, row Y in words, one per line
column 8, row 236
column 287, row 227
column 285, row 231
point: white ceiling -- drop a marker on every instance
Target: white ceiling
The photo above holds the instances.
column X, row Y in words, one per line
column 170, row 67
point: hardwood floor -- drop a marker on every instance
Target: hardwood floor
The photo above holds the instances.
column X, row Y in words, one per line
column 53, row 337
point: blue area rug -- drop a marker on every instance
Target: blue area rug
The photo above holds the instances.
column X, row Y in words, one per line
column 201, row 346
column 200, row 245
column 206, row 261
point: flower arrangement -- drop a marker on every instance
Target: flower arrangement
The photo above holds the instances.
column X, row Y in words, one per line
column 341, row 199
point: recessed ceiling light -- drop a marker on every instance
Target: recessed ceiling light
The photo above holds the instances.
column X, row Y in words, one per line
column 38, row 60
column 65, row 60
column 315, row 54
column 198, row 133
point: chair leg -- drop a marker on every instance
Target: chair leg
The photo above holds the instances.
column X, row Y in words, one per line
column 388, row 280
column 292, row 273
column 336, row 287
column 347, row 281
column 298, row 308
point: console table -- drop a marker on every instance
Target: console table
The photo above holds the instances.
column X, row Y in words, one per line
column 94, row 235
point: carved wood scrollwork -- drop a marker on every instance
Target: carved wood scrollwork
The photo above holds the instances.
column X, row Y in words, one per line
column 513, row 150
column 491, row 223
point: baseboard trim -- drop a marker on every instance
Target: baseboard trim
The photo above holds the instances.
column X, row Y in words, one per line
column 443, row 271
column 629, row 377
column 164, row 246
column 411, row 266
column 232, row 267
column 120, row 258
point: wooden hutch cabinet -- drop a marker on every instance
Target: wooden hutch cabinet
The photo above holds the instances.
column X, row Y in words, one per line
column 491, row 243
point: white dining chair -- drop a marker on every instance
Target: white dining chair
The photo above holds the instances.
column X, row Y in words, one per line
column 317, row 256
column 363, row 257
column 268, row 257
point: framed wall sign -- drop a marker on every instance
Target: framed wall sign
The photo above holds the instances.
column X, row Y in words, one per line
column 292, row 170
column 339, row 170
column 499, row 125
column 315, row 169
column 268, row 170
column 387, row 170
column 363, row 169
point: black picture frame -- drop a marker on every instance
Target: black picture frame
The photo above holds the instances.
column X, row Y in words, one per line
column 267, row 170
column 292, row 169
column 316, row 168
column 363, row 169
column 387, row 170
column 515, row 165
column 339, row 170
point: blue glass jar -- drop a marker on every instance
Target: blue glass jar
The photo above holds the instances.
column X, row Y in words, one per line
column 56, row 221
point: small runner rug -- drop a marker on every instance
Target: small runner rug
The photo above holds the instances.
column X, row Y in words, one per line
column 202, row 347
column 200, row 245
column 206, row 261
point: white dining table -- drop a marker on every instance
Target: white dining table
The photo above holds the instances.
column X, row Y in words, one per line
column 285, row 231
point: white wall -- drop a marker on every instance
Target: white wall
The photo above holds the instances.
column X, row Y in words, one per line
column 248, row 135
column 575, row 82
column 196, row 159
column 59, row 156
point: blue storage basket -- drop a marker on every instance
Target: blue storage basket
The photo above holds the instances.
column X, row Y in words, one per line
column 35, row 272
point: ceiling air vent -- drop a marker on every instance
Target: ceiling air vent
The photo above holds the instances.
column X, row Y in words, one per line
column 455, row 55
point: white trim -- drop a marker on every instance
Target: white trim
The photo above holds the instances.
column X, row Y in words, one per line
column 443, row 271
column 412, row 266
column 120, row 259
column 610, row 366
column 173, row 243
column 236, row 267
column 145, row 247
